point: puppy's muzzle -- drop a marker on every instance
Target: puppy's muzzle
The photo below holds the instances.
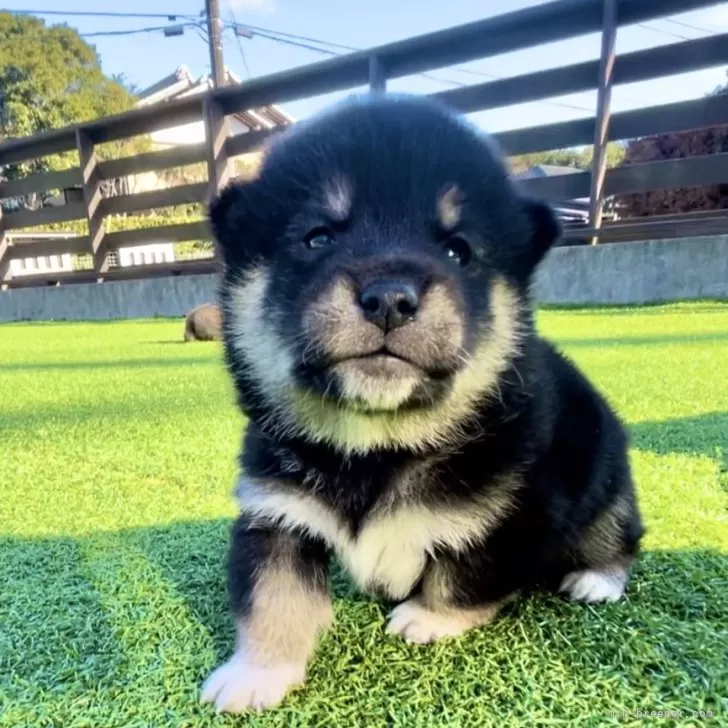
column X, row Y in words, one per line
column 411, row 318
column 389, row 304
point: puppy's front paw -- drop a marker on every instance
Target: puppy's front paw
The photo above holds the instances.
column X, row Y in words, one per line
column 241, row 684
column 594, row 586
column 418, row 624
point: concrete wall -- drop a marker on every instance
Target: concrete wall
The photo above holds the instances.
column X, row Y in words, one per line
column 660, row 270
column 655, row 270
column 171, row 296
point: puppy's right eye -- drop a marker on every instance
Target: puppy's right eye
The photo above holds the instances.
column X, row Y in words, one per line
column 318, row 238
column 458, row 251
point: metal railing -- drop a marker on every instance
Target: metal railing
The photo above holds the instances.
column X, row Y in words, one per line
column 493, row 36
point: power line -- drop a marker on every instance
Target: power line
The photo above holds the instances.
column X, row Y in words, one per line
column 683, row 24
column 97, row 14
column 201, row 34
column 239, row 41
column 256, row 28
column 480, row 74
column 287, row 41
column 493, row 77
column 291, row 39
column 664, row 32
column 268, row 34
column 333, row 53
column 134, row 31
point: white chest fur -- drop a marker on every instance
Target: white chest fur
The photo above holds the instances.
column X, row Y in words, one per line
column 390, row 550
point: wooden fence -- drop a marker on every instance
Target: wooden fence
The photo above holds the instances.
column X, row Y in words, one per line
column 530, row 27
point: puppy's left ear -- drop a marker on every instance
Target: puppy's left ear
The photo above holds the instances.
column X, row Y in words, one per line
column 543, row 230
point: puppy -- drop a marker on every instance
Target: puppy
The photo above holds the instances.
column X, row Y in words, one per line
column 403, row 413
column 204, row 323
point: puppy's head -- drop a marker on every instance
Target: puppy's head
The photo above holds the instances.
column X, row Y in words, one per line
column 376, row 274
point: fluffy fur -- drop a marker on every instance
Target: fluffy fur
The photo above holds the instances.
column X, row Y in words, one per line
column 204, row 323
column 403, row 413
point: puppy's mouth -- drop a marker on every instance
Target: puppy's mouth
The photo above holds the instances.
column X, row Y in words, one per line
column 382, row 363
column 380, row 381
column 364, row 371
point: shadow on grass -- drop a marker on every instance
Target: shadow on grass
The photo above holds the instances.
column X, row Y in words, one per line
column 57, row 636
column 165, row 342
column 700, row 435
column 585, row 342
column 685, row 305
column 56, row 420
column 70, row 366
column 100, row 323
column 51, row 617
column 192, row 343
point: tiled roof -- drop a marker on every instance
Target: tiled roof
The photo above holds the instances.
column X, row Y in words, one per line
column 182, row 83
column 539, row 171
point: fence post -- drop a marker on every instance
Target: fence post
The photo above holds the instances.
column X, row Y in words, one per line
column 5, row 274
column 217, row 129
column 92, row 199
column 604, row 99
column 377, row 75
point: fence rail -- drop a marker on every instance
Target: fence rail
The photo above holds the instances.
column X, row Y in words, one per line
column 513, row 31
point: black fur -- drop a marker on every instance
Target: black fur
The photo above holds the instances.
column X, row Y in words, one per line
column 255, row 547
column 547, row 421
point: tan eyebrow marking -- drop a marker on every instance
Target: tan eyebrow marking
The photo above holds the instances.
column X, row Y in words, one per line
column 449, row 207
column 338, row 197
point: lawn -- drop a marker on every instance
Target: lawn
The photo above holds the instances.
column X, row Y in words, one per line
column 118, row 459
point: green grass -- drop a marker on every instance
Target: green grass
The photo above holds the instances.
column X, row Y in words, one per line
column 118, row 457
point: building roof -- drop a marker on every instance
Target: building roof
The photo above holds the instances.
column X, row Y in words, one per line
column 181, row 83
column 540, row 171
column 574, row 211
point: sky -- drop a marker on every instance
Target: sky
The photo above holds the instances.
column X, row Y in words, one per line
column 148, row 57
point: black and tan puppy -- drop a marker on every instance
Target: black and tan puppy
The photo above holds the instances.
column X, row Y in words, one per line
column 403, row 414
column 204, row 323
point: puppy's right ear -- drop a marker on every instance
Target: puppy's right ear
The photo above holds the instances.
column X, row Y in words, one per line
column 228, row 215
column 542, row 231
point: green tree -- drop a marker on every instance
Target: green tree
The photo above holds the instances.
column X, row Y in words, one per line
column 50, row 78
column 578, row 157
column 677, row 145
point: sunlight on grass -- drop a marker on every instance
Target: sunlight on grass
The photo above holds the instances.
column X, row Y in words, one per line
column 119, row 455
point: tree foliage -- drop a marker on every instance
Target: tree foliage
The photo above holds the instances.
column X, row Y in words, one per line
column 713, row 140
column 578, row 157
column 50, row 78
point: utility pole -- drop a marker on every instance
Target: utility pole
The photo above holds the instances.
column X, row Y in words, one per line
column 214, row 32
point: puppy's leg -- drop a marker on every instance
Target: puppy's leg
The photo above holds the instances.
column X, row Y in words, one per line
column 605, row 583
column 189, row 330
column 605, row 553
column 457, row 595
column 278, row 586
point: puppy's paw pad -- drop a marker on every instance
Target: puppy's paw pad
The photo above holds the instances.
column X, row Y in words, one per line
column 420, row 625
column 241, row 684
column 594, row 586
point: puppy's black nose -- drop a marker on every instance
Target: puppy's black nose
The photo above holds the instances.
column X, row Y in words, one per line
column 389, row 304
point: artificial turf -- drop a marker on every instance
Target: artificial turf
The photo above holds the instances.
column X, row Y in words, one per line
column 117, row 462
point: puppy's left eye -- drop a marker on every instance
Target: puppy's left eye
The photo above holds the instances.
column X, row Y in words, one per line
column 318, row 238
column 458, row 251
